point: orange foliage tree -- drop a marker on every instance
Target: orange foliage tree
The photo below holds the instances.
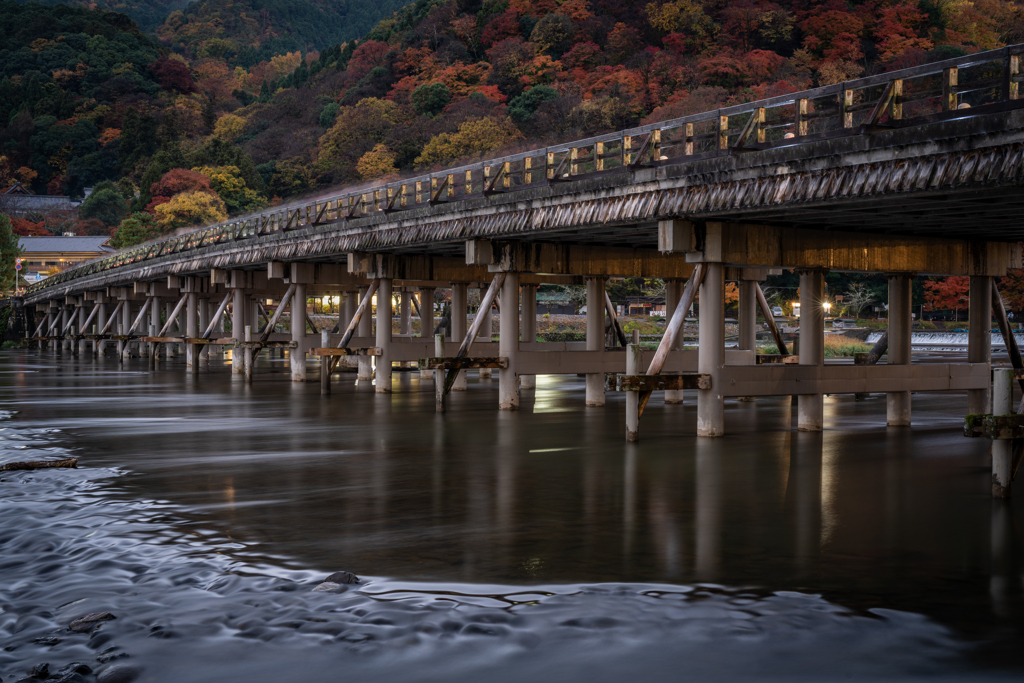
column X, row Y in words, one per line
column 947, row 294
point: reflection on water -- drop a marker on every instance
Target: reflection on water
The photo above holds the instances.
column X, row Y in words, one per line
column 867, row 517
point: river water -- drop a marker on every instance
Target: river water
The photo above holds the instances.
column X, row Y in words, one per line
column 491, row 545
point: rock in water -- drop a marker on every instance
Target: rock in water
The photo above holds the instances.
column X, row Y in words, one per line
column 89, row 621
column 329, row 587
column 342, row 578
column 119, row 673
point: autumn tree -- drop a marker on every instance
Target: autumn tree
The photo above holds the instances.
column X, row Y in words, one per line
column 191, row 208
column 947, row 294
column 228, row 184
column 473, row 137
column 377, row 163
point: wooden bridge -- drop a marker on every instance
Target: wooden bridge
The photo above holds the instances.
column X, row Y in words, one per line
column 911, row 172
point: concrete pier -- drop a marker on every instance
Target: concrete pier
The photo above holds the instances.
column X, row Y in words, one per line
column 595, row 337
column 979, row 339
column 297, row 356
column 900, row 324
column 382, row 375
column 810, row 407
column 364, row 370
column 711, row 351
column 528, row 329
column 508, row 343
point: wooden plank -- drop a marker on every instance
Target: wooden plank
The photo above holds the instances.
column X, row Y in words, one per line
column 331, row 351
column 165, row 340
column 646, row 383
column 268, row 345
column 464, row 363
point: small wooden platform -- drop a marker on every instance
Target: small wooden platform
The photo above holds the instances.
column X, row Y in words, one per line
column 463, row 363
column 997, row 427
column 773, row 358
column 688, row 380
column 268, row 345
column 368, row 351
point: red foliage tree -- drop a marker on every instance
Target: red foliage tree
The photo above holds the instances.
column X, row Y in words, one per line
column 947, row 294
column 180, row 180
column 26, row 228
column 173, row 75
column 505, row 25
column 1011, row 288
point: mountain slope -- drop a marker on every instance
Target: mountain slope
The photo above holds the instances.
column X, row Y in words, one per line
column 148, row 14
column 246, row 32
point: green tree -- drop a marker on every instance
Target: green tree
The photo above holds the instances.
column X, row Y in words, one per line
column 137, row 228
column 523, row 107
column 328, row 114
column 106, row 203
column 9, row 250
column 431, row 99
column 138, row 139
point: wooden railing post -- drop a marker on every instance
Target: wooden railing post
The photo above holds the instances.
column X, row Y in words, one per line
column 1012, row 68
column 801, row 117
column 896, row 113
column 847, row 104
column 688, row 131
column 723, row 132
column 950, row 76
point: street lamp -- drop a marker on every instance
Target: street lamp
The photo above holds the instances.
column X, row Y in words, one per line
column 828, row 308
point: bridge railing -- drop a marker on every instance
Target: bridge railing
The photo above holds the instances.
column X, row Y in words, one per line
column 965, row 86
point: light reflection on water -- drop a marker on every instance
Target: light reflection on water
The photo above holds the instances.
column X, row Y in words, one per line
column 870, row 518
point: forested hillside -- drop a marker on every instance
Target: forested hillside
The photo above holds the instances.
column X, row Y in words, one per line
column 250, row 31
column 148, row 14
column 202, row 120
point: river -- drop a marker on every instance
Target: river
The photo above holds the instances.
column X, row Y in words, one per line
column 205, row 515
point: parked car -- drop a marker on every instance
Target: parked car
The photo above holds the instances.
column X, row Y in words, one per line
column 777, row 311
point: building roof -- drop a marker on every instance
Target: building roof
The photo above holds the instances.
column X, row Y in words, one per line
column 71, row 245
column 16, row 188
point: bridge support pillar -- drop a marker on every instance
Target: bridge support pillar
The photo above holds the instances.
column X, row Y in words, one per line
column 384, row 314
column 125, row 348
column 297, row 356
column 528, row 331
column 508, row 343
column 405, row 318
column 748, row 320
column 238, row 330
column 154, row 327
column 426, row 322
column 897, row 403
column 811, row 407
column 485, row 330
column 82, row 343
column 101, row 322
column 979, row 338
column 459, row 327
column 65, row 317
column 711, row 351
column 365, row 329
column 191, row 330
column 595, row 337
column 673, row 293
column 204, row 321
column 172, row 329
